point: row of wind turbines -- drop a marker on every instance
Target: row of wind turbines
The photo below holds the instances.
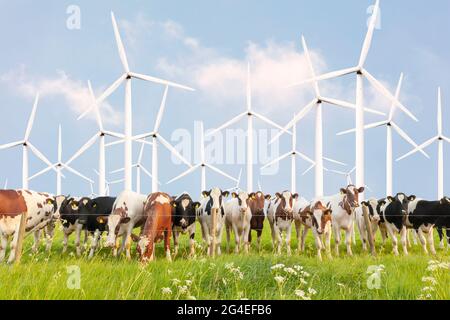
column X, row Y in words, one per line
column 155, row 139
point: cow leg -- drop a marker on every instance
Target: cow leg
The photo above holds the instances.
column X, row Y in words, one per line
column 383, row 232
column 431, row 241
column 441, row 237
column 12, row 254
column 65, row 240
column 348, row 240
column 327, row 236
column 298, row 230
column 362, row 233
column 422, row 240
column 337, row 239
column 393, row 236
column 303, row 238
column 175, row 243
column 192, row 241
column 354, row 231
column 94, row 244
column 258, row 241
column 37, row 238
column 403, row 239
column 288, row 240
column 318, row 243
column 219, row 239
column 50, row 234
column 167, row 234
column 78, row 230
column 3, row 244
column 414, row 233
column 227, row 230
column 245, row 234
column 237, row 239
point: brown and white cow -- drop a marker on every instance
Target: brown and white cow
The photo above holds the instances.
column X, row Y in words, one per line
column 280, row 216
column 317, row 217
column 237, row 218
column 158, row 226
column 257, row 205
column 41, row 208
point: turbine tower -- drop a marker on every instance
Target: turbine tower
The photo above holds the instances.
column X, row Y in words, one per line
column 390, row 125
column 202, row 165
column 249, row 113
column 59, row 166
column 440, row 138
column 126, row 78
column 25, row 143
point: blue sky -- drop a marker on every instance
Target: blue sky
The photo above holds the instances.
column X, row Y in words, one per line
column 206, row 44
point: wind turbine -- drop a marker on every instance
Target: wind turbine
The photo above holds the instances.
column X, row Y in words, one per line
column 5, row 186
column 59, row 166
column 99, row 136
column 440, row 138
column 237, row 187
column 390, row 124
column 139, row 166
column 347, row 175
column 293, row 154
column 316, row 104
column 25, row 143
column 249, row 113
column 202, row 165
column 126, row 78
column 361, row 74
column 156, row 136
column 108, row 184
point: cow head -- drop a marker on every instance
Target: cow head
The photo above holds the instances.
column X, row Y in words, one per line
column 243, row 200
column 215, row 198
column 401, row 200
column 184, row 211
column 58, row 202
column 351, row 197
column 118, row 217
column 257, row 202
column 69, row 212
column 372, row 207
column 287, row 201
column 86, row 207
column 321, row 217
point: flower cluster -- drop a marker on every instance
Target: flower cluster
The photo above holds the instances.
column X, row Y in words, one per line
column 433, row 280
column 297, row 275
column 179, row 290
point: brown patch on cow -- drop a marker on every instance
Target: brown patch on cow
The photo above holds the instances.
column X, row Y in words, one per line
column 12, row 203
column 39, row 206
column 256, row 205
column 28, row 192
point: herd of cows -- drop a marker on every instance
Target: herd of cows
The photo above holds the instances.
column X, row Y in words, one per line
column 161, row 216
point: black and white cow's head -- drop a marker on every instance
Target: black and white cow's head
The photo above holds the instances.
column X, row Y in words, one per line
column 86, row 207
column 372, row 205
column 69, row 212
column 183, row 212
column 215, row 199
column 400, row 202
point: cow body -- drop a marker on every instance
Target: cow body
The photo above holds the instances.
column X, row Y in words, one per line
column 127, row 214
column 212, row 200
column 158, row 226
column 70, row 221
column 299, row 206
column 183, row 220
column 41, row 208
column 258, row 206
column 280, row 216
column 237, row 218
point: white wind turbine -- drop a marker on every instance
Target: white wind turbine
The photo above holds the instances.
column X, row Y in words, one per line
column 316, row 104
column 108, row 184
column 139, row 166
column 99, row 136
column 202, row 165
column 440, row 138
column 237, row 187
column 390, row 124
column 5, row 186
column 347, row 175
column 25, row 143
column 293, row 154
column 126, row 78
column 59, row 166
column 156, row 137
column 362, row 73
column 249, row 113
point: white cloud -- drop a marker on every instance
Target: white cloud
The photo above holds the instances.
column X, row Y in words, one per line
column 74, row 92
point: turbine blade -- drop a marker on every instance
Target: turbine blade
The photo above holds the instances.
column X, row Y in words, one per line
column 338, row 172
column 40, row 173
column 120, row 47
column 422, row 146
column 249, row 89
column 31, row 119
column 173, row 151
column 114, row 134
column 98, row 117
column 161, row 110
column 185, row 173
column 220, row 172
column 38, row 154
column 439, row 116
column 75, row 172
column 160, row 81
column 83, row 149
column 408, row 139
column 227, row 124
column 59, row 143
column 397, row 97
column 117, row 171
column 387, row 94
column 309, row 169
column 147, row 172
column 141, row 153
column 326, row 76
column 334, row 161
column 11, row 145
column 304, row 157
column 366, row 127
column 270, row 122
column 114, row 143
column 311, row 68
column 369, row 35
column 284, row 156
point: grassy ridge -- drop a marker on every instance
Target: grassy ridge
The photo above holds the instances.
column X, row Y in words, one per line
column 230, row 276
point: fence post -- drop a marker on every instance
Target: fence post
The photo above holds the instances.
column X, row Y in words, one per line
column 369, row 230
column 20, row 237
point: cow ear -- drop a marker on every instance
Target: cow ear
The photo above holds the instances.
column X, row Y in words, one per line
column 278, row 195
column 196, row 205
column 390, row 198
column 94, row 204
column 364, row 203
column 251, row 195
column 328, row 212
column 174, row 204
column 361, row 189
column 50, row 201
column 205, row 194
column 343, row 190
column 125, row 220
column 318, row 205
column 295, row 196
column 267, row 196
column 412, row 198
column 234, row 195
column 102, row 219
column 225, row 193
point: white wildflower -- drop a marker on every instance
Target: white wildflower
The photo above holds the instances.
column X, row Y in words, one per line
column 278, row 266
column 182, row 289
column 166, row 291
column 175, row 282
column 290, row 271
column 431, row 280
column 279, row 279
column 312, row 291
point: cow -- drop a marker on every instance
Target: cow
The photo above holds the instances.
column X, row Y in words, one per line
column 212, row 200
column 70, row 222
column 158, row 226
column 92, row 215
column 257, row 206
column 280, row 216
column 374, row 218
column 440, row 231
column 39, row 207
column 237, row 218
column 394, row 212
column 183, row 220
column 315, row 216
column 300, row 205
column 343, row 206
column 127, row 214
column 423, row 216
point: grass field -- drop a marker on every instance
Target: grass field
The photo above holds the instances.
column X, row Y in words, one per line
column 230, row 276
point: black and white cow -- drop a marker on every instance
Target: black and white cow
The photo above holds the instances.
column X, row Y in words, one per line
column 183, row 220
column 69, row 219
column 92, row 215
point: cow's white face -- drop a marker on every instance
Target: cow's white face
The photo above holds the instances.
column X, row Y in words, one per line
column 322, row 217
column 216, row 198
column 243, row 201
column 288, row 201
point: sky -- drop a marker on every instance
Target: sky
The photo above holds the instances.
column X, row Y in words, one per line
column 207, row 45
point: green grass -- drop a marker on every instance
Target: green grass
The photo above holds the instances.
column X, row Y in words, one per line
column 45, row 276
